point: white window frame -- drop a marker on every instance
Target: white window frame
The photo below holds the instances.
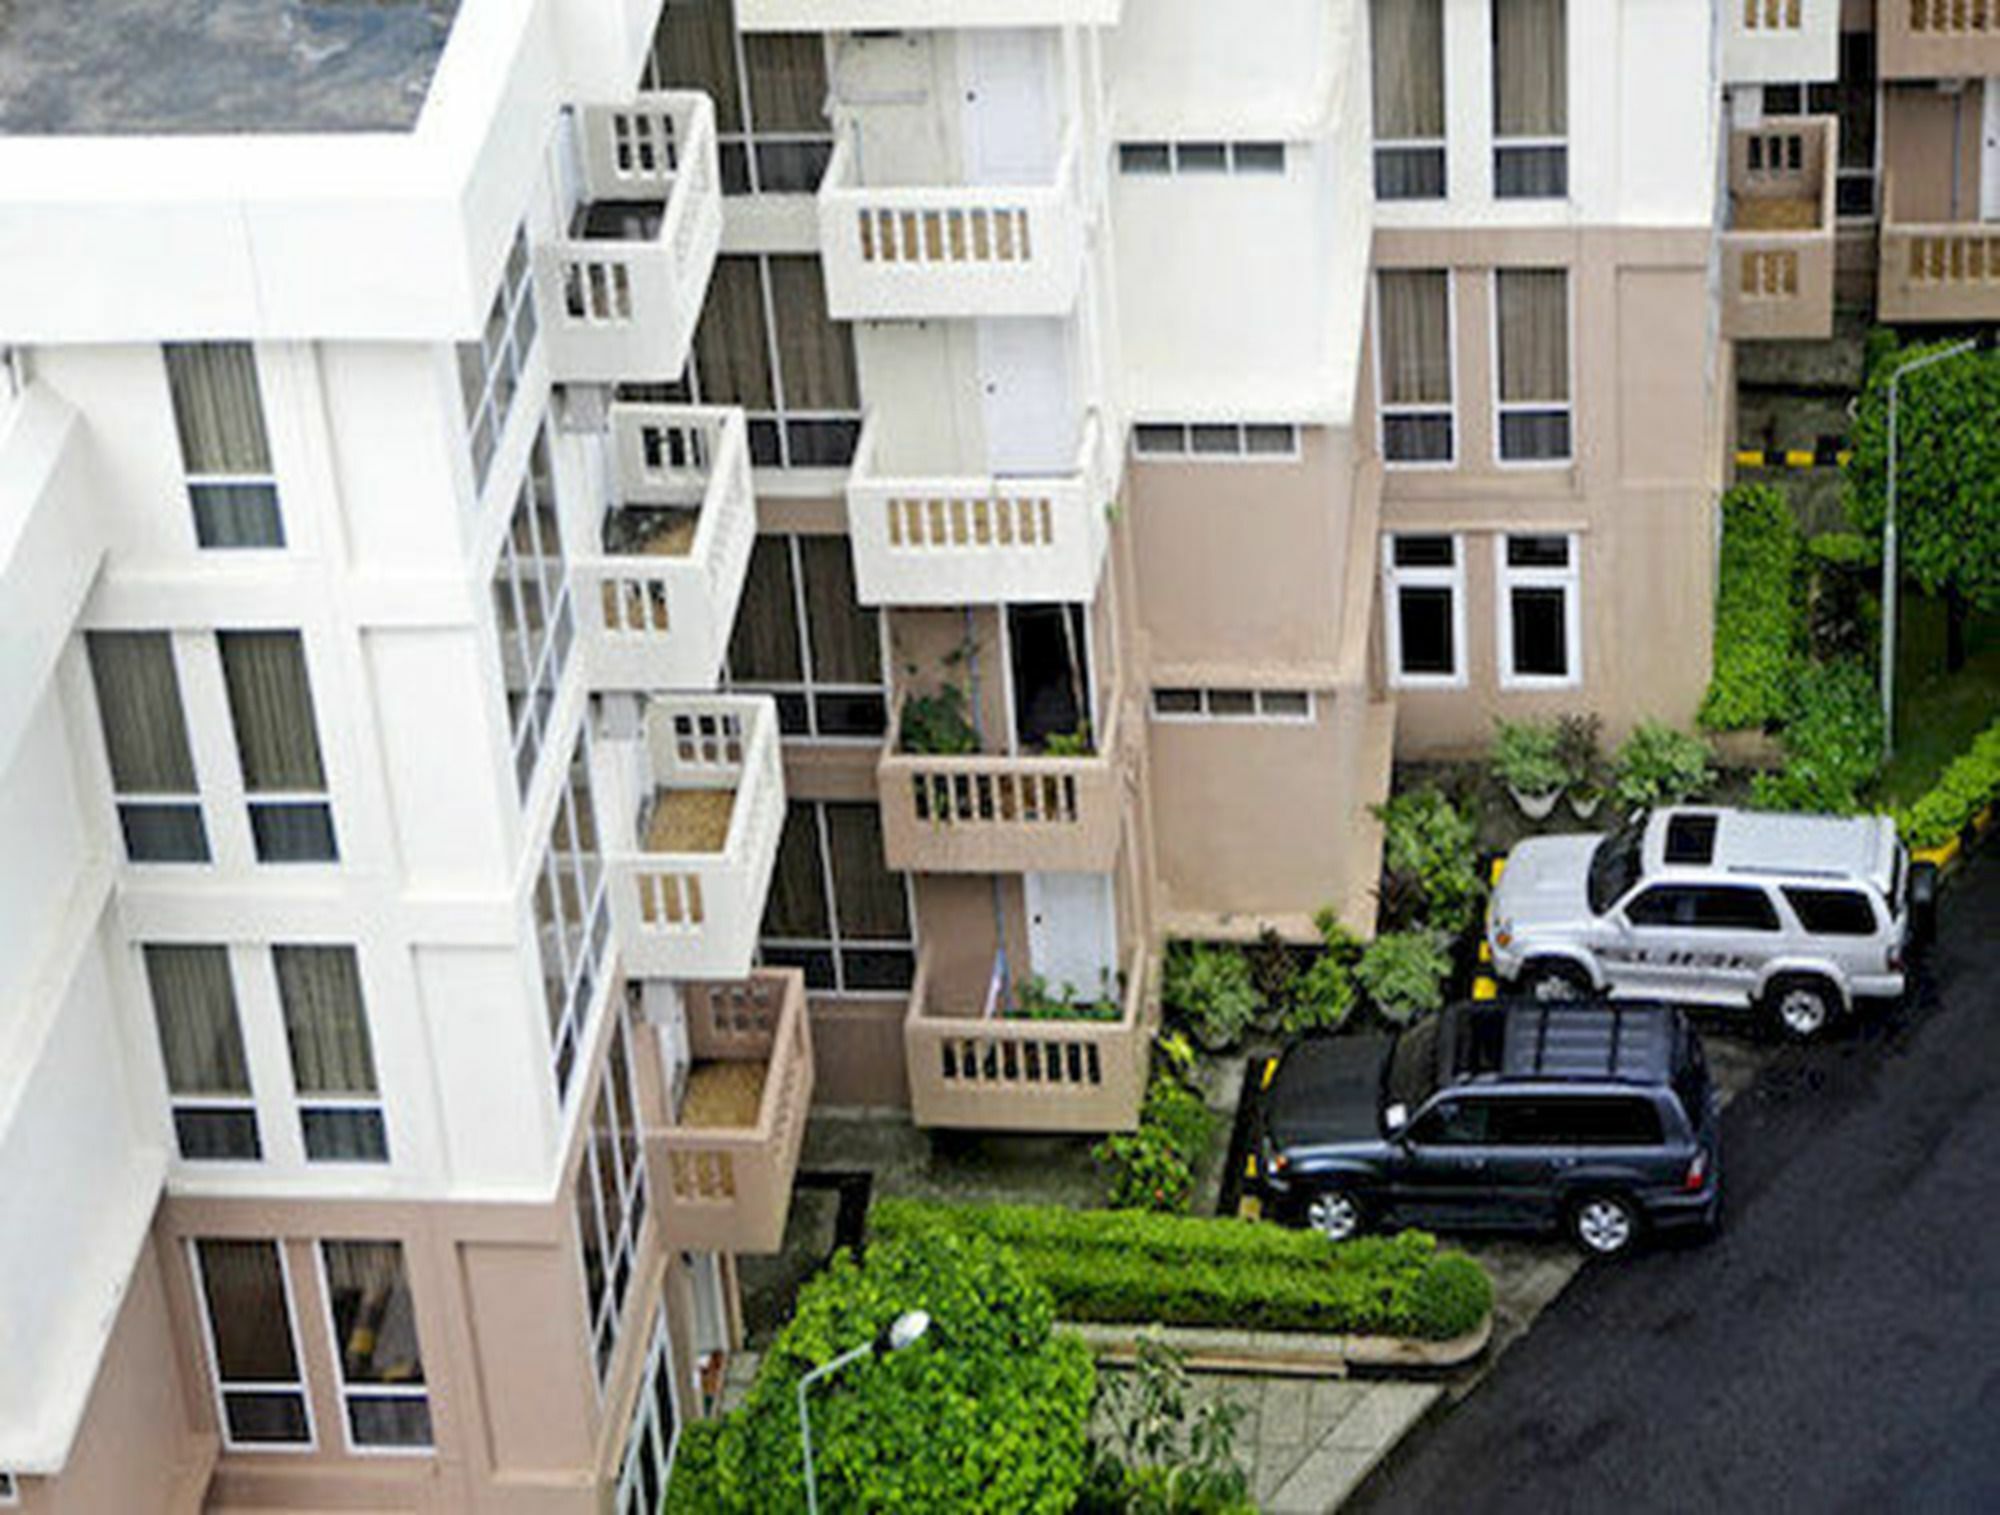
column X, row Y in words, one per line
column 304, row 1103
column 1241, row 452
column 634, row 1209
column 514, row 294
column 237, row 1103
column 347, row 1393
column 1231, row 167
column 1260, row 715
column 1532, row 407
column 593, row 928
column 1500, row 144
column 543, row 660
column 254, row 1386
column 1506, row 579
column 1395, row 579
column 1383, row 408
column 835, row 942
column 643, row 1431
column 157, row 799
column 1441, row 143
column 654, row 76
column 811, row 686
column 268, row 479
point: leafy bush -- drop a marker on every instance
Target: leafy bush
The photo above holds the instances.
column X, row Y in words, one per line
column 1658, row 765
column 1209, row 986
column 1070, row 744
column 1274, row 971
column 1035, row 1001
column 1154, row 1166
column 987, row 1411
column 1322, row 998
column 1429, row 848
column 1162, row 1455
column 1969, row 784
column 1527, row 756
column 1125, row 1266
column 1404, row 973
column 937, row 725
column 1758, row 611
column 1843, row 617
column 1845, row 549
column 1832, row 743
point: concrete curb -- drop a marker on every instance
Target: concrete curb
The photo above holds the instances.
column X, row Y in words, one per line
column 1214, row 1350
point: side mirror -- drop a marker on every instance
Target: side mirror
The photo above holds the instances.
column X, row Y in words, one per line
column 1396, row 1118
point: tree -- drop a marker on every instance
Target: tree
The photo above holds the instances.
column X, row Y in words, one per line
column 1947, row 475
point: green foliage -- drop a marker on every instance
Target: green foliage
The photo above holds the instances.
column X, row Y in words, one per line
column 1947, row 468
column 1845, row 549
column 936, row 725
column 1153, row 1167
column 1126, row 1266
column 1209, row 987
column 1035, row 1001
column 1161, row 1455
column 1274, row 971
column 1404, row 973
column 1658, row 765
column 1580, row 750
column 1069, row 744
column 1759, row 613
column 1322, row 998
column 1832, row 742
column 1968, row 785
column 1429, row 851
column 987, row 1411
column 1526, row 756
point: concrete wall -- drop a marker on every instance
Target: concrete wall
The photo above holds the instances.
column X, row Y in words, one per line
column 1931, row 150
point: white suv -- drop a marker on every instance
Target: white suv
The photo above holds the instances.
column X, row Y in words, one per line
column 1799, row 914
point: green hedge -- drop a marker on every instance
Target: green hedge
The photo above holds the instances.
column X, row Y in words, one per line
column 1971, row 783
column 1832, row 742
column 1131, row 1267
column 1758, row 612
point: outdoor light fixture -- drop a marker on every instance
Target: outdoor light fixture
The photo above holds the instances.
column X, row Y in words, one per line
column 906, row 1330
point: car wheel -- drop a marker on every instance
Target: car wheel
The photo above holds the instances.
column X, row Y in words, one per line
column 1336, row 1214
column 1802, row 1007
column 1549, row 980
column 1604, row 1225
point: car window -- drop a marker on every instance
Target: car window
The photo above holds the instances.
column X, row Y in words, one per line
column 1832, row 912
column 1454, row 1123
column 1733, row 907
column 1663, row 905
column 1614, row 866
column 1690, row 839
column 1619, row 1120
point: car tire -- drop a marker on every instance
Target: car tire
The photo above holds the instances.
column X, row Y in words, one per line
column 1548, row 980
column 1801, row 1006
column 1336, row 1214
column 1604, row 1225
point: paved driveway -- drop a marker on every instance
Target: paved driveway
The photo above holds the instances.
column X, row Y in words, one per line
column 1838, row 1347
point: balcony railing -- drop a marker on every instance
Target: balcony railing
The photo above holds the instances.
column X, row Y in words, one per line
column 1936, row 271
column 1777, row 254
column 919, row 15
column 658, row 594
column 980, row 540
column 687, row 893
column 727, row 1187
column 1937, row 39
column 981, row 250
column 1002, row 814
column 974, row 1069
column 621, row 291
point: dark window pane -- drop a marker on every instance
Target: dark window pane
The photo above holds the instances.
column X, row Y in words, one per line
column 1690, row 839
column 1833, row 912
column 733, row 159
column 792, row 716
column 1541, row 648
column 293, row 833
column 869, row 900
column 1259, row 157
column 1425, row 552
column 791, row 168
column 270, row 1418
column 1416, row 439
column 1201, row 157
column 845, row 634
column 1783, row 100
column 1213, row 440
column 163, row 833
column 1144, row 158
column 1236, row 704
column 1530, row 436
column 1733, row 907
column 1272, row 441
column 1530, row 173
column 243, row 1285
column 236, row 515
column 732, row 342
column 1177, row 701
column 1290, row 704
column 1409, row 173
column 1154, row 438
column 1664, row 906
column 1538, row 552
column 344, row 1136
column 398, row 1422
column 766, row 447
column 1424, row 620
column 217, row 1135
column 796, row 905
column 815, row 962
column 764, row 644
column 878, row 969
column 851, row 715
column 139, row 706
column 822, row 444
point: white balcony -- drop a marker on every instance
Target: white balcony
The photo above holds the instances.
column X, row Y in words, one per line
column 919, row 15
column 976, row 540
column 914, row 252
column 621, row 292
column 657, row 591
column 687, row 890
column 1780, row 41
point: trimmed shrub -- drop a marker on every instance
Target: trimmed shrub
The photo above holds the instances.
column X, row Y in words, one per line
column 1430, row 850
column 1832, row 743
column 1404, row 973
column 1758, row 612
column 1209, row 988
column 1658, row 765
column 1969, row 784
column 1125, row 1267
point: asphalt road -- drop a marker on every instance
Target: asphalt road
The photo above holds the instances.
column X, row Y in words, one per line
column 1836, row 1348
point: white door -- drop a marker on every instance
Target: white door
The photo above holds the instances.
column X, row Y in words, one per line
column 1073, row 932
column 1009, row 114
column 1989, row 161
column 1026, row 397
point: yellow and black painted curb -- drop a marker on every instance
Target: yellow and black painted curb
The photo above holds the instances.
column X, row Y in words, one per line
column 1826, row 455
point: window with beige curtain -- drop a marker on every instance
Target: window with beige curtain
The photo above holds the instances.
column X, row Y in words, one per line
column 1531, row 338
column 1407, row 40
column 201, row 1046
column 766, row 342
column 277, row 743
column 1413, row 356
column 146, row 741
column 219, row 415
column 769, row 88
column 836, row 910
column 246, row 1304
column 824, row 666
column 374, row 1323
column 333, row 1058
column 1530, row 99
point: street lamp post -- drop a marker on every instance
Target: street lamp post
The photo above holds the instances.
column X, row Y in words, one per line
column 903, row 1332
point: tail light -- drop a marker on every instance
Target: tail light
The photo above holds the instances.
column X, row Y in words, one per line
column 1894, row 958
column 1697, row 1174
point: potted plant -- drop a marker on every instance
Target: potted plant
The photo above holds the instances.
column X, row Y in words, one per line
column 1525, row 760
column 1582, row 759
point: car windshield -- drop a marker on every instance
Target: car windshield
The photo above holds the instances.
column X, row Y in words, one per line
column 1614, row 866
column 1411, row 1075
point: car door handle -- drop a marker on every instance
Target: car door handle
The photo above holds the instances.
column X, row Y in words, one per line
column 1562, row 1162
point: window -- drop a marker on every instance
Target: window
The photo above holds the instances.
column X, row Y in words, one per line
column 489, row 370
column 1413, row 341
column 1579, row 1121
column 1455, row 1123
column 277, row 741
column 769, row 89
column 1530, row 100
column 1690, row 839
column 1540, row 641
column 1705, row 907
column 145, row 739
column 649, row 1443
column 766, row 343
column 1288, row 705
column 375, row 1343
column 1531, row 341
column 333, row 1060
column 802, row 636
column 246, row 1309
column 10, row 1492
column 572, row 917
column 1425, row 601
column 1852, row 99
column 219, row 414
column 1207, row 441
column 201, row 1044
column 835, row 910
column 532, row 612
column 1832, row 912
column 1408, row 42
column 610, row 1200
column 1244, row 159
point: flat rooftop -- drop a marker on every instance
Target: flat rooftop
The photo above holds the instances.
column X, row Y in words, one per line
column 185, row 67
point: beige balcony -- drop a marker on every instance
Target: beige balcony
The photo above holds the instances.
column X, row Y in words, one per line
column 723, row 1170
column 915, row 252
column 658, row 594
column 1777, row 253
column 1937, row 39
column 919, row 15
column 622, row 288
column 1936, row 270
column 976, row 540
column 687, row 892
column 970, row 1067
column 981, row 813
